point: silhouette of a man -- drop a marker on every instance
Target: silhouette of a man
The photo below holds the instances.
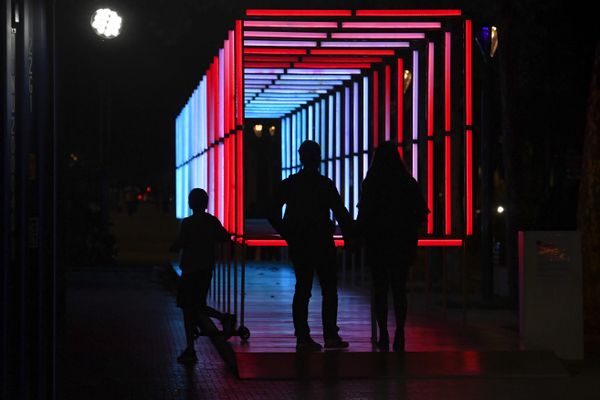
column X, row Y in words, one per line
column 308, row 231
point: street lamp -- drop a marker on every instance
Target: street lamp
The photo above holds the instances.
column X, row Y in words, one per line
column 106, row 23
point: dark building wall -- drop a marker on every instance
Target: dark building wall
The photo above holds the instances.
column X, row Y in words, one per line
column 28, row 207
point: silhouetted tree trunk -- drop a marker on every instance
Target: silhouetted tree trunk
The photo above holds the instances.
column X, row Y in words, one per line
column 589, row 205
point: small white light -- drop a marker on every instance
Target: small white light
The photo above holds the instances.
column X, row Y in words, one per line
column 106, row 23
column 500, row 209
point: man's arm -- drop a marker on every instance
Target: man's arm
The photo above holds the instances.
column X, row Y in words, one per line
column 278, row 199
column 340, row 213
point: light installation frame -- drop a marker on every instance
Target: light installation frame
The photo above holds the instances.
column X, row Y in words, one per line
column 375, row 85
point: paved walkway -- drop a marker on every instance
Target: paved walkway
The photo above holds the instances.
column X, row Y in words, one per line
column 124, row 333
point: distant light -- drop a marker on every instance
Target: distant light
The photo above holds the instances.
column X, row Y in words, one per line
column 493, row 41
column 407, row 80
column 500, row 209
column 106, row 23
column 258, row 130
column 272, row 130
column 139, row 197
column 148, row 189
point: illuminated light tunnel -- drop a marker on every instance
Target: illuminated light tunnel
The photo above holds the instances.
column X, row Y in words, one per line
column 348, row 79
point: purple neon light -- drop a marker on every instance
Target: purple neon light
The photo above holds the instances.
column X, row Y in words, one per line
column 415, row 115
column 221, row 131
column 309, row 83
column 386, row 45
column 316, row 77
column 304, row 87
column 347, row 147
column 290, row 24
column 259, row 76
column 277, row 90
column 391, row 25
column 280, row 43
column 280, row 34
column 258, row 81
column 263, row 71
column 378, row 35
column 323, row 71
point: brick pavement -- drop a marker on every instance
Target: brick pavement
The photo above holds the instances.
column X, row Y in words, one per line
column 124, row 332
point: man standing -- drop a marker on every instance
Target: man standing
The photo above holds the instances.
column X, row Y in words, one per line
column 308, row 231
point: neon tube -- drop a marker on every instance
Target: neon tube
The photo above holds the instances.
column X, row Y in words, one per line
column 300, row 85
column 239, row 140
column 347, row 147
column 260, row 76
column 303, row 124
column 310, row 124
column 330, row 141
column 379, row 35
column 355, row 149
column 341, row 60
column 331, row 65
column 324, row 71
column 309, row 82
column 448, row 138
column 260, row 81
column 222, row 99
column 400, row 105
column 415, row 116
column 279, row 43
column 321, row 117
column 267, row 65
column 365, row 44
column 391, row 25
column 286, row 34
column 338, row 147
column 430, row 119
column 387, row 116
column 357, row 52
column 298, row 13
column 375, row 109
column 263, row 50
column 249, row 71
column 290, row 24
column 469, row 123
column 273, row 58
column 340, row 242
column 408, row 13
column 300, row 77
column 365, row 116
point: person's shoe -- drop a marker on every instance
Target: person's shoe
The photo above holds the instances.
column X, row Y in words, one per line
column 308, row 345
column 383, row 343
column 399, row 342
column 336, row 343
column 188, row 356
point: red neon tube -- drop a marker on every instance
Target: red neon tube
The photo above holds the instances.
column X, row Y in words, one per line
column 469, row 123
column 331, row 65
column 358, row 59
column 268, row 50
column 240, row 179
column 239, row 74
column 298, row 13
column 340, row 242
column 356, row 52
column 408, row 13
column 430, row 127
column 226, row 91
column 448, row 138
column 216, row 136
column 375, row 109
column 387, row 117
column 400, row 105
column 448, row 184
column 266, row 65
column 287, row 59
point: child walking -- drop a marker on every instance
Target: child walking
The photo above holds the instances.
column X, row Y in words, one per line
column 197, row 238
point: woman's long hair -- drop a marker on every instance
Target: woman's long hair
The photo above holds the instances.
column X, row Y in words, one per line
column 387, row 163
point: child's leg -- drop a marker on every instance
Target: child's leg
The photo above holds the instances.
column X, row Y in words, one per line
column 189, row 323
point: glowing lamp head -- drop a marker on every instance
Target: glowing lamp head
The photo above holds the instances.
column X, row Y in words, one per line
column 493, row 41
column 272, row 130
column 106, row 23
column 500, row 210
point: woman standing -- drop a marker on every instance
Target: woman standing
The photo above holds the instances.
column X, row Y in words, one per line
column 391, row 211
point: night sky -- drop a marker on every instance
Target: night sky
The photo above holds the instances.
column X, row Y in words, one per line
column 140, row 80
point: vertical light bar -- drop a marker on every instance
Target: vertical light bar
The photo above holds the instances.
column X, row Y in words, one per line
column 338, row 140
column 365, row 143
column 387, row 117
column 304, row 126
column 347, row 147
column 239, row 146
column 218, row 127
column 284, row 143
column 209, row 139
column 317, row 125
column 221, row 171
column 294, row 131
column 321, row 122
column 375, row 109
column 430, row 127
column 330, row 141
column 355, row 149
column 469, row 123
column 447, row 137
column 415, row 116
column 310, row 124
column 400, row 105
